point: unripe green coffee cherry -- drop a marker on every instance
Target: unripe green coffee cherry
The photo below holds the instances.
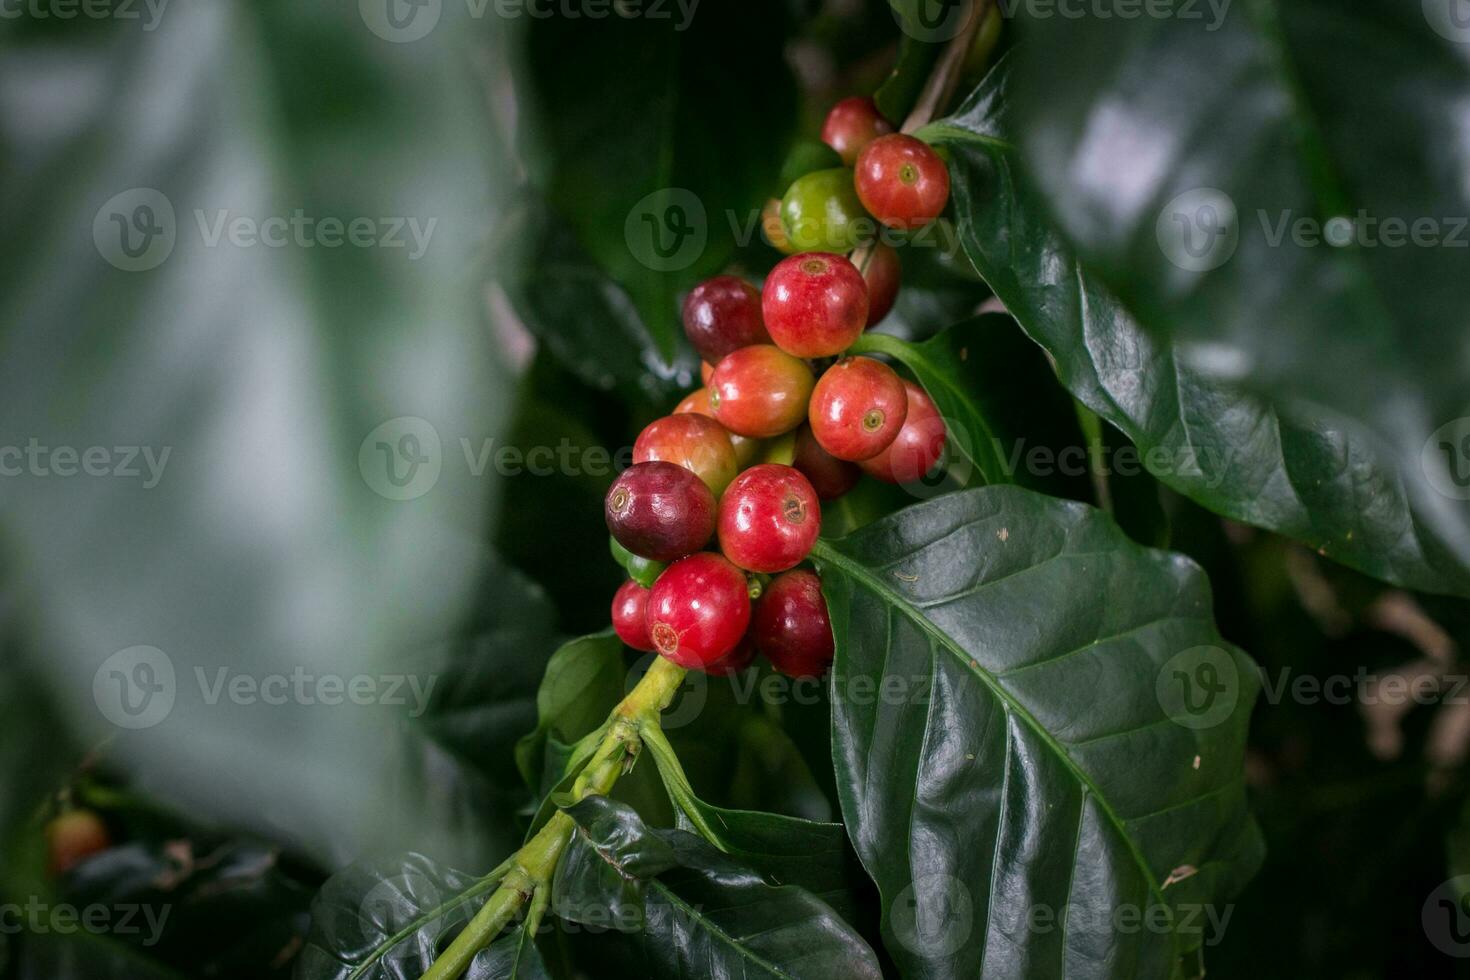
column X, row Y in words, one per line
column 821, row 213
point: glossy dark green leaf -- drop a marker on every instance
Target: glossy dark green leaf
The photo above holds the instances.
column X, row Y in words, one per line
column 387, row 920
column 662, row 137
column 1290, row 469
column 691, row 911
column 1345, row 118
column 1023, row 749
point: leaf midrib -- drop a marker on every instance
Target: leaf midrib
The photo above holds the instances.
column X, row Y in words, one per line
column 823, row 551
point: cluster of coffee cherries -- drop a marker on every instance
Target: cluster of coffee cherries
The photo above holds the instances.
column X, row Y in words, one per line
column 779, row 427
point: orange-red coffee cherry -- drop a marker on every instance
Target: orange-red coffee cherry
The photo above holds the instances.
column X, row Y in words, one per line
column 696, row 442
column 901, row 181
column 73, row 837
column 858, row 408
column 630, row 616
column 792, row 628
column 760, row 391
column 697, row 401
column 769, row 518
column 829, row 476
column 883, row 273
column 721, row 315
column 660, row 511
column 918, row 447
column 815, row 304
column 699, row 610
column 851, row 125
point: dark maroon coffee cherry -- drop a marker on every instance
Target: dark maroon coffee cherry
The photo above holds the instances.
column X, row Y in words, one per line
column 660, row 511
column 721, row 315
column 630, row 616
column 829, row 476
column 791, row 625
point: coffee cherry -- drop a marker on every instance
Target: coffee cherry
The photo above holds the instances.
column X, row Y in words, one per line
column 902, row 181
column 736, row 660
column 760, row 391
column 882, row 274
column 815, row 304
column 858, row 408
column 821, row 211
column 697, row 401
column 696, row 442
column 73, row 837
column 706, row 369
column 660, row 511
column 772, row 228
column 640, row 570
column 829, row 476
column 918, row 446
column 721, row 315
column 769, row 518
column 851, row 125
column 791, row 625
column 630, row 616
column 699, row 610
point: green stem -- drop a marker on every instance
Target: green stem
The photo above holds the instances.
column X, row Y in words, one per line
column 533, row 866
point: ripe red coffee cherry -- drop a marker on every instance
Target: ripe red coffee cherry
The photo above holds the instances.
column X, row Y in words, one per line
column 736, row 660
column 858, row 408
column 791, row 625
column 918, row 447
column 696, row 442
column 882, row 274
column 660, row 511
column 901, row 181
column 630, row 616
column 699, row 610
column 851, row 125
column 815, row 304
column 73, row 837
column 769, row 518
column 721, row 315
column 829, row 476
column 760, row 391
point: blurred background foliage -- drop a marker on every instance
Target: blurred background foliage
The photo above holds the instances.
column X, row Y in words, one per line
column 528, row 322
